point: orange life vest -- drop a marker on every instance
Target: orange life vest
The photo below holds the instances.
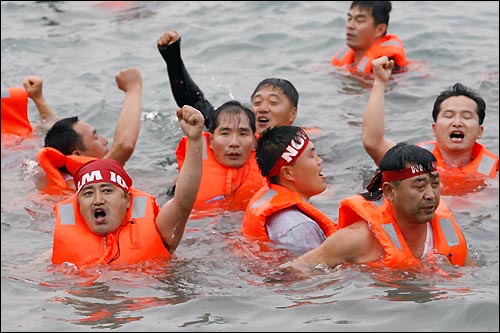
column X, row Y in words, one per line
column 448, row 238
column 137, row 239
column 269, row 200
column 223, row 187
column 15, row 112
column 467, row 178
column 389, row 45
column 51, row 160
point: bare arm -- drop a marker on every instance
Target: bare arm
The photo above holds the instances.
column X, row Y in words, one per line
column 129, row 123
column 174, row 214
column 34, row 87
column 373, row 120
column 355, row 244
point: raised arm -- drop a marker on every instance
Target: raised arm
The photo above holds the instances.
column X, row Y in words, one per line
column 184, row 89
column 129, row 123
column 373, row 120
column 34, row 87
column 174, row 214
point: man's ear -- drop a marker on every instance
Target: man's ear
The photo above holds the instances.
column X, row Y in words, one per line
column 388, row 189
column 380, row 30
column 480, row 134
column 210, row 139
column 286, row 173
column 292, row 115
column 254, row 143
column 127, row 194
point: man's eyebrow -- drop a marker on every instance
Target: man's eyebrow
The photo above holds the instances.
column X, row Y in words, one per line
column 358, row 15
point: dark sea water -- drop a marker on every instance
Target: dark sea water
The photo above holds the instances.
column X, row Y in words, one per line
column 216, row 282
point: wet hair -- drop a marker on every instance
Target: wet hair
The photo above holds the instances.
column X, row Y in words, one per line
column 404, row 154
column 63, row 137
column 285, row 85
column 399, row 157
column 272, row 144
column 459, row 89
column 231, row 107
column 380, row 10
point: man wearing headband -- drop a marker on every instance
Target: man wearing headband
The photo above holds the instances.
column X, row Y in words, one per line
column 280, row 211
column 402, row 228
column 458, row 113
column 109, row 221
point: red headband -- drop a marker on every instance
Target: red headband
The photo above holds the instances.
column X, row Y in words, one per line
column 102, row 171
column 411, row 171
column 394, row 175
column 291, row 152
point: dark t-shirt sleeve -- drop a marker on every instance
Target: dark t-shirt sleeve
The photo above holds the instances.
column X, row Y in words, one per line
column 184, row 89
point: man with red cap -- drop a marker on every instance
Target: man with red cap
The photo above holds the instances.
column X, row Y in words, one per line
column 109, row 221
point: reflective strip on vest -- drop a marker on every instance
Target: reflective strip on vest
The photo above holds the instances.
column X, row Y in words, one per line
column 342, row 52
column 5, row 92
column 139, row 207
column 204, row 155
column 269, row 194
column 67, row 215
column 389, row 229
column 428, row 146
column 362, row 64
column 391, row 42
column 449, row 231
column 378, row 202
column 66, row 212
column 216, row 198
column 486, row 165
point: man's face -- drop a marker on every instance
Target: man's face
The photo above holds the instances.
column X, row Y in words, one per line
column 95, row 144
column 272, row 108
column 457, row 125
column 306, row 172
column 103, row 206
column 233, row 140
column 415, row 199
column 361, row 31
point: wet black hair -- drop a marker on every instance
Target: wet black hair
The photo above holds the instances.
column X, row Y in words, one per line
column 272, row 144
column 63, row 137
column 459, row 89
column 380, row 10
column 286, row 86
column 399, row 157
column 233, row 107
